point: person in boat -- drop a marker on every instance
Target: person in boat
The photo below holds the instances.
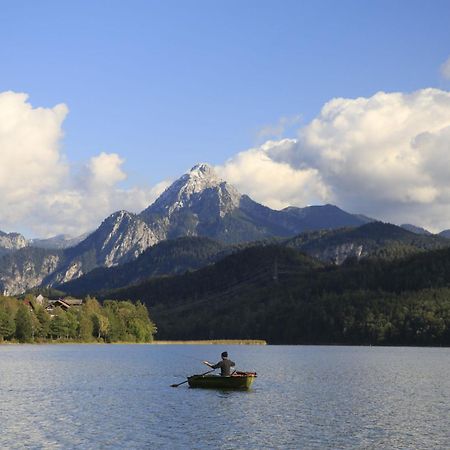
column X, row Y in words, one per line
column 224, row 365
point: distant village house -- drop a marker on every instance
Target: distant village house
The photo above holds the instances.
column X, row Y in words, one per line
column 64, row 303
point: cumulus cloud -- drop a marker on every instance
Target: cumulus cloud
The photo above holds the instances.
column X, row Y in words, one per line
column 40, row 192
column 263, row 175
column 445, row 69
column 105, row 170
column 386, row 156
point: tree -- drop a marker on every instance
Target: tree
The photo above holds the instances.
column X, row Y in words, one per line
column 86, row 326
column 7, row 324
column 59, row 325
column 24, row 325
column 72, row 323
column 118, row 316
column 142, row 317
column 44, row 322
column 101, row 326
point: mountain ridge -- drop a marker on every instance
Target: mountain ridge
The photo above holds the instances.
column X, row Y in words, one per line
column 285, row 297
column 375, row 240
column 199, row 203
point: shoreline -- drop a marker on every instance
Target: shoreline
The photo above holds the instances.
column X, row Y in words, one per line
column 213, row 342
column 191, row 342
column 220, row 342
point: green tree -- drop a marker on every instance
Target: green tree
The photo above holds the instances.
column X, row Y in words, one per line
column 143, row 317
column 59, row 325
column 86, row 326
column 7, row 324
column 72, row 318
column 44, row 322
column 101, row 326
column 117, row 317
column 24, row 324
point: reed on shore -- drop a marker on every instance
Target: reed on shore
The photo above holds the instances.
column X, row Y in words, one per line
column 214, row 342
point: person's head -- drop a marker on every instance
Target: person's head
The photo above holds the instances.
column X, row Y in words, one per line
column 224, row 355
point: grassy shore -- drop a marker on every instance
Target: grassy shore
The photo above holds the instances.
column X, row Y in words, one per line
column 203, row 342
column 214, row 342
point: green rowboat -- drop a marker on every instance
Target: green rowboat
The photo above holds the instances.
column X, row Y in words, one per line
column 238, row 380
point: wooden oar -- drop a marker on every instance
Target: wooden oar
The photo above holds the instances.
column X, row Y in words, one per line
column 185, row 381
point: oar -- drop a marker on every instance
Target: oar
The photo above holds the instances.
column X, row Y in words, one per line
column 185, row 381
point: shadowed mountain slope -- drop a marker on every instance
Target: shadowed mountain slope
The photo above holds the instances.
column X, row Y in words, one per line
column 166, row 258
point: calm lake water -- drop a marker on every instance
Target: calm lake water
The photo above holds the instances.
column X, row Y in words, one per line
column 119, row 396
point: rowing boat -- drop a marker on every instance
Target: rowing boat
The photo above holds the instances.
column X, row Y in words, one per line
column 238, row 380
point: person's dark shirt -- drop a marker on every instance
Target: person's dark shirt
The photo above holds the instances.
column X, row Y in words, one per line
column 225, row 367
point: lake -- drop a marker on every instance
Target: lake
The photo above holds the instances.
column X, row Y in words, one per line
column 305, row 397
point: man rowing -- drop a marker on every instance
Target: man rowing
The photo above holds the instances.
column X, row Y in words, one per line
column 225, row 365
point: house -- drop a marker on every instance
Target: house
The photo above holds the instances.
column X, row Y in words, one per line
column 73, row 301
column 65, row 304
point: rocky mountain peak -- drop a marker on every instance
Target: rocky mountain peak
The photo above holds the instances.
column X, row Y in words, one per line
column 118, row 216
column 121, row 237
column 203, row 170
column 200, row 181
column 11, row 242
column 199, row 178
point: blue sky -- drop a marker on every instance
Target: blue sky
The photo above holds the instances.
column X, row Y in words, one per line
column 171, row 83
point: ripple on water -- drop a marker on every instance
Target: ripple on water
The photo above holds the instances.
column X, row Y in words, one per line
column 78, row 396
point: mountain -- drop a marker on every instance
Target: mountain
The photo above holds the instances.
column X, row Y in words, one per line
column 120, row 238
column 414, row 229
column 201, row 204
column 445, row 234
column 26, row 268
column 197, row 204
column 326, row 217
column 61, row 241
column 374, row 239
column 218, row 288
column 165, row 258
column 280, row 295
column 10, row 242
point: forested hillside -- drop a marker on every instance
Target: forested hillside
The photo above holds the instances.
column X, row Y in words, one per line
column 375, row 239
column 283, row 296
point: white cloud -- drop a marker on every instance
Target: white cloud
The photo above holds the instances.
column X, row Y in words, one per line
column 445, row 69
column 106, row 169
column 268, row 179
column 39, row 190
column 371, row 152
column 387, row 156
column 30, row 161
